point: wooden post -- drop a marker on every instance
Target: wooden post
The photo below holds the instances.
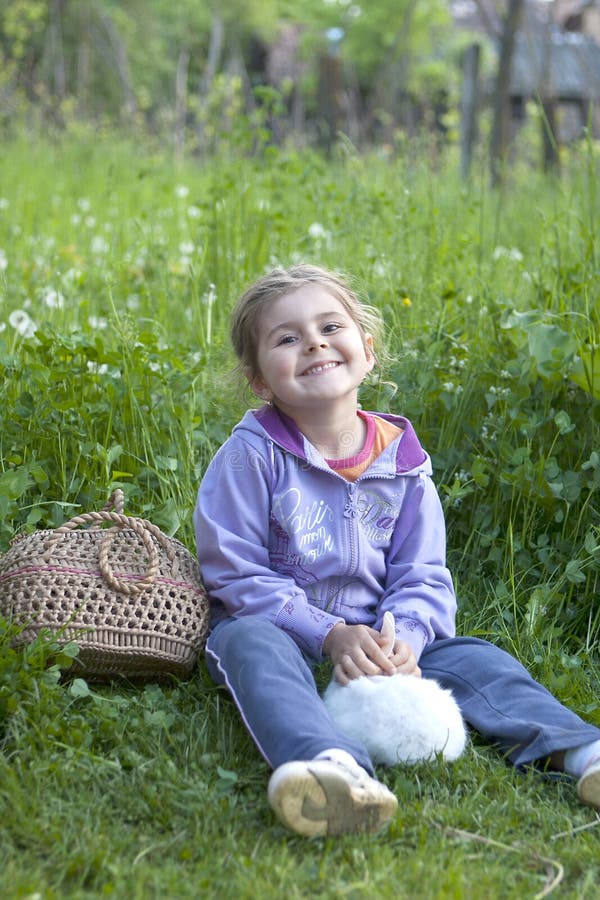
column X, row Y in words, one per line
column 330, row 79
column 469, row 107
column 501, row 107
column 181, row 79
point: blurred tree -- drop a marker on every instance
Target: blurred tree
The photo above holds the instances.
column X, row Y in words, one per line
column 397, row 55
column 175, row 66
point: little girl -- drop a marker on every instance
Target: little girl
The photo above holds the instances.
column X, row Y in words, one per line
column 313, row 520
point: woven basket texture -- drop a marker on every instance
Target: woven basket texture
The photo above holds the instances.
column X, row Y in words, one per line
column 132, row 598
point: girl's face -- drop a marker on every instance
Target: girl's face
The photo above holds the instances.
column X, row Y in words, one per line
column 311, row 352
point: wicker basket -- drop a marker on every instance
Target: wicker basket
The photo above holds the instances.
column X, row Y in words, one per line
column 129, row 595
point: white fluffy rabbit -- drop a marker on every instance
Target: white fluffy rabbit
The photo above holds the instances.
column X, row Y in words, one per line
column 398, row 718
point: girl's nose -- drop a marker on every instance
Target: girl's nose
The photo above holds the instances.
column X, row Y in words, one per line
column 318, row 342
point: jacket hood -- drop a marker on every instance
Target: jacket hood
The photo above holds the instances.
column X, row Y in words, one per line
column 283, row 431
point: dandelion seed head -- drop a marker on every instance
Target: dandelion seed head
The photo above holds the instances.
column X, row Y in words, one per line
column 210, row 296
column 194, row 212
column 71, row 275
column 22, row 323
column 97, row 368
column 53, row 299
column 317, row 231
column 99, row 245
column 182, row 191
column 507, row 253
column 98, row 323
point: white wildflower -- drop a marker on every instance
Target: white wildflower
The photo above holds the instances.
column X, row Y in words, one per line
column 99, row 245
column 22, row 322
column 186, row 248
column 182, row 191
column 194, row 212
column 3, row 261
column 317, row 231
column 210, row 296
column 71, row 276
column 90, row 221
column 97, row 368
column 98, row 323
column 53, row 299
column 507, row 253
column 2, row 327
column 4, row 204
column 75, row 219
column 84, row 204
column 133, row 302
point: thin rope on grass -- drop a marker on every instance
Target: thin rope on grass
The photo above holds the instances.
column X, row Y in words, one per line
column 554, row 869
column 576, row 830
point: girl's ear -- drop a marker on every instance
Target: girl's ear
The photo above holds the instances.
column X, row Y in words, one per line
column 369, row 352
column 258, row 386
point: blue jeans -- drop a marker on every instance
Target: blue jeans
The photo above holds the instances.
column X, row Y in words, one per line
column 272, row 684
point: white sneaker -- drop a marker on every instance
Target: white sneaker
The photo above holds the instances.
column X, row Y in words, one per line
column 329, row 797
column 588, row 786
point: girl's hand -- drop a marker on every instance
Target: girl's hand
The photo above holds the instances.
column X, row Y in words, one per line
column 357, row 650
column 404, row 660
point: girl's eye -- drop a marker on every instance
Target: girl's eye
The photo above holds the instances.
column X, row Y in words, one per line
column 331, row 327
column 286, row 339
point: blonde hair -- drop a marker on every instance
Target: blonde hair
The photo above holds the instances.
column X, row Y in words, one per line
column 246, row 315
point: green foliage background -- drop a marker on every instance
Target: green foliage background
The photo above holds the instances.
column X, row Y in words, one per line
column 108, row 61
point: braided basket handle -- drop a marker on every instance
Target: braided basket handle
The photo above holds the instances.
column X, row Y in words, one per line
column 116, row 502
column 144, row 529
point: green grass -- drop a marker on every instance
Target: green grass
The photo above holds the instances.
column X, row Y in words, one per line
column 128, row 267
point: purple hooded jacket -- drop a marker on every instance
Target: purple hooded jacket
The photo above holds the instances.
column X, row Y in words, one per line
column 281, row 535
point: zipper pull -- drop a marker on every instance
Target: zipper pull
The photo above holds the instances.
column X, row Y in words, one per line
column 350, row 510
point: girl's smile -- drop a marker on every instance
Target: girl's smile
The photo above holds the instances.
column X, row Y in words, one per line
column 324, row 367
